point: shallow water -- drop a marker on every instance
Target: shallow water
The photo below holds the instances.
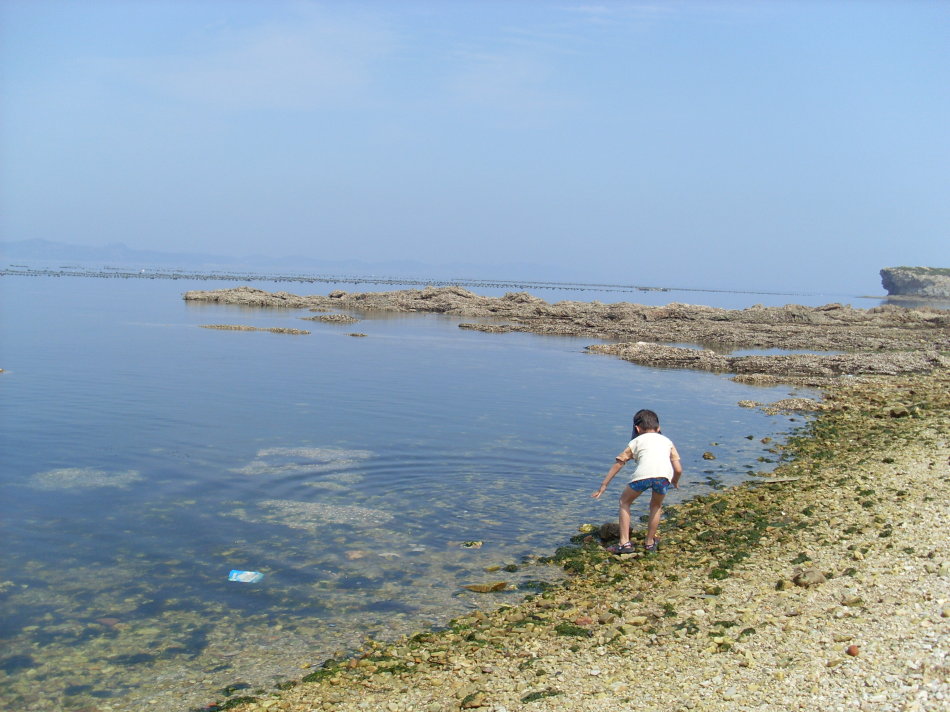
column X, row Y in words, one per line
column 143, row 458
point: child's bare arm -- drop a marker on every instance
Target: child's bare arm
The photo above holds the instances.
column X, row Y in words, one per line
column 622, row 459
column 677, row 467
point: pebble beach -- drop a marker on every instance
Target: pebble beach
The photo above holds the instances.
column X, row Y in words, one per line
column 825, row 585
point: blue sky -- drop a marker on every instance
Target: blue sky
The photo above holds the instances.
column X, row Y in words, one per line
column 755, row 145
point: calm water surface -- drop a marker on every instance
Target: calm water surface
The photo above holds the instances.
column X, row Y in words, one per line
column 144, row 457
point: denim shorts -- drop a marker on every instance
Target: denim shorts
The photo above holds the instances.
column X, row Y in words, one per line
column 660, row 485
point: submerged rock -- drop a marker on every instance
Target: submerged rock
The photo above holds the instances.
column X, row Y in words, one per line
column 292, row 460
column 486, row 587
column 83, row 478
column 311, row 516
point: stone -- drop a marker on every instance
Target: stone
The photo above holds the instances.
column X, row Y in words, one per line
column 808, row 577
column 486, row 587
column 334, row 319
column 474, row 700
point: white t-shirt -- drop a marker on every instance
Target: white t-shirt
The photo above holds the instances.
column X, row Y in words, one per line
column 651, row 452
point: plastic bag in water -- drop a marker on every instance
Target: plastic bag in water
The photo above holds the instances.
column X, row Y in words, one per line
column 245, row 576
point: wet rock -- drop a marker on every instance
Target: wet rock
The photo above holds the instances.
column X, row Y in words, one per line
column 708, row 456
column 658, row 355
column 609, row 531
column 487, row 587
column 333, row 318
column 488, row 328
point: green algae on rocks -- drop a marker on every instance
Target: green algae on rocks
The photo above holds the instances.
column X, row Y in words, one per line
column 829, row 461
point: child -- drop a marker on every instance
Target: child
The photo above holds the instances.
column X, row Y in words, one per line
column 658, row 466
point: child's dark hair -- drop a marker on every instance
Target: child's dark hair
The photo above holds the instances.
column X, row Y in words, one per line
column 646, row 419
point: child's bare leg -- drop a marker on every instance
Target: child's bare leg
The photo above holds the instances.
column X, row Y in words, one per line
column 626, row 499
column 656, row 509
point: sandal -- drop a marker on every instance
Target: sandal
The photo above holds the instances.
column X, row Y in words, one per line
column 652, row 548
column 627, row 548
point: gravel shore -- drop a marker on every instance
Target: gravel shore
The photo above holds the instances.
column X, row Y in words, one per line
column 824, row 586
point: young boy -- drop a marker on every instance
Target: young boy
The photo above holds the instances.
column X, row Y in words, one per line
column 658, row 466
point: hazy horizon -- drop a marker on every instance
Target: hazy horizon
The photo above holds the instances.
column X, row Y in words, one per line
column 779, row 146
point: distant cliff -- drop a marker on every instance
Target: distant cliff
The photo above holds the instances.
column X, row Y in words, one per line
column 917, row 281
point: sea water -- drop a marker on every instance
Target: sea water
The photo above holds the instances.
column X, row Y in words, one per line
column 144, row 458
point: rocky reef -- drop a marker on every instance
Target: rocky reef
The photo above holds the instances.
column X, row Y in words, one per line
column 917, row 281
column 885, row 340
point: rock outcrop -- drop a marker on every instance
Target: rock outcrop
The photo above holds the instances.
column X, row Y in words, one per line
column 831, row 327
column 917, row 281
column 882, row 340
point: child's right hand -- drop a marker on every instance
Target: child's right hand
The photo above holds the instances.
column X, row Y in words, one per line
column 596, row 494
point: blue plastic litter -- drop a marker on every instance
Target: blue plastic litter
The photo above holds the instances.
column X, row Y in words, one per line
column 245, row 576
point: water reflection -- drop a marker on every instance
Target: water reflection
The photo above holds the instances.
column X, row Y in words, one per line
column 145, row 458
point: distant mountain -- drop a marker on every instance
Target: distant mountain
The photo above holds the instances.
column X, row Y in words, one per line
column 116, row 254
column 58, row 254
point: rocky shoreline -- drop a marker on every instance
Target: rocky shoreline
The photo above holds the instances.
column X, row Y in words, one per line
column 885, row 340
column 823, row 586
